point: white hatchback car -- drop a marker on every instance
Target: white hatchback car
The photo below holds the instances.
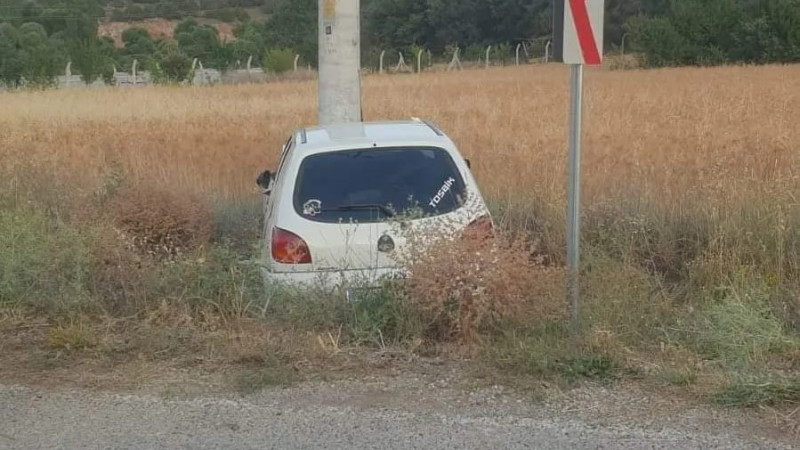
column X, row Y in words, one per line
column 332, row 207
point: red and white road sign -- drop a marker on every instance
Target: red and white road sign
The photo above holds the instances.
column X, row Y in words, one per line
column 583, row 32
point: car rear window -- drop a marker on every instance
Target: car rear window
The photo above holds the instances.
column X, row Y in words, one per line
column 372, row 185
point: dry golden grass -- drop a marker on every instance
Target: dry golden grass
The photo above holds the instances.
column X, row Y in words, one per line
column 717, row 133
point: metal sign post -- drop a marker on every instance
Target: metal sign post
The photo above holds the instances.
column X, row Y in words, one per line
column 578, row 40
column 574, row 193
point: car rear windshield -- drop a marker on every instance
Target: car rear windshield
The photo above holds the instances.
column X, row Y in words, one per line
column 373, row 185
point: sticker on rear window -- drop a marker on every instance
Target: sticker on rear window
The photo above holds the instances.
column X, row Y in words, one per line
column 312, row 207
column 448, row 184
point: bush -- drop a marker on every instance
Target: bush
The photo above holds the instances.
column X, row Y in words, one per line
column 175, row 68
column 161, row 223
column 460, row 286
column 237, row 224
column 741, row 331
column 217, row 280
column 44, row 264
column 381, row 318
column 279, row 60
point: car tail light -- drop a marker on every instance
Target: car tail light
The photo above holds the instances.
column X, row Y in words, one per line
column 480, row 228
column 289, row 248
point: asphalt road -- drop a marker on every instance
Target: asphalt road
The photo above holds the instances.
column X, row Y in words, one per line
column 375, row 414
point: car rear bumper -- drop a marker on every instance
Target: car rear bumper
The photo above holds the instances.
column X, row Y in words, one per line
column 344, row 279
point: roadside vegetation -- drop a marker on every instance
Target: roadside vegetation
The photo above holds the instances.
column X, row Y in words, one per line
column 128, row 226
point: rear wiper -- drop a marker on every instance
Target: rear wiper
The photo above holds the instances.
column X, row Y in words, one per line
column 384, row 209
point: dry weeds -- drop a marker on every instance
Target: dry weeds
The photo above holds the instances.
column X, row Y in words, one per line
column 461, row 287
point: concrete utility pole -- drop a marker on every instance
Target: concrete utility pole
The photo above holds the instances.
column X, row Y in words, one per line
column 339, row 62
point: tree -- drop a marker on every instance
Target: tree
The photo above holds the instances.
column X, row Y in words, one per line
column 137, row 45
column 175, row 67
column 11, row 67
column 658, row 41
column 293, row 25
column 76, row 19
column 40, row 60
column 706, row 32
column 91, row 58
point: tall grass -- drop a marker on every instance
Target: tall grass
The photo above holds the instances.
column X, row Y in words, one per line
column 691, row 180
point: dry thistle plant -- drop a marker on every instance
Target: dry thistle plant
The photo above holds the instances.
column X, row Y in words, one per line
column 161, row 223
column 460, row 282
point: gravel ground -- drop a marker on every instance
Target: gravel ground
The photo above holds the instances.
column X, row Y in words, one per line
column 386, row 413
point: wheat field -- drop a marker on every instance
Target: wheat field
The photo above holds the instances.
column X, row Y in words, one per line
column 725, row 134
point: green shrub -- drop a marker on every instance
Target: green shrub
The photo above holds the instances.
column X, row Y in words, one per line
column 375, row 317
column 237, row 224
column 380, row 317
column 45, row 265
column 278, row 60
column 740, row 330
column 219, row 279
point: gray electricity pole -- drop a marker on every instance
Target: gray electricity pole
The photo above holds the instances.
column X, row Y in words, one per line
column 339, row 62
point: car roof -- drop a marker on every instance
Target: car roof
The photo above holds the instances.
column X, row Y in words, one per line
column 368, row 134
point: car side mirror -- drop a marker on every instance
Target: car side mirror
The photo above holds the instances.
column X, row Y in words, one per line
column 469, row 163
column 265, row 180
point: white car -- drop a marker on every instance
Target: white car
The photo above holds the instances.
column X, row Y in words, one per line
column 341, row 205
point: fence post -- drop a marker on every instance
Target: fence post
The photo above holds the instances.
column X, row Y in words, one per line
column 622, row 47
column 517, row 53
column 419, row 61
column 547, row 51
column 380, row 69
column 133, row 70
column 455, row 62
column 401, row 64
column 68, row 73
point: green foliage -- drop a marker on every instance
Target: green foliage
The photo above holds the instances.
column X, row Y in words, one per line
column 664, row 33
column 44, row 265
column 741, row 331
column 11, row 63
column 660, row 43
column 278, row 60
column 202, row 42
column 92, row 59
column 381, row 318
column 293, row 25
column 708, row 32
column 41, row 60
column 175, row 68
